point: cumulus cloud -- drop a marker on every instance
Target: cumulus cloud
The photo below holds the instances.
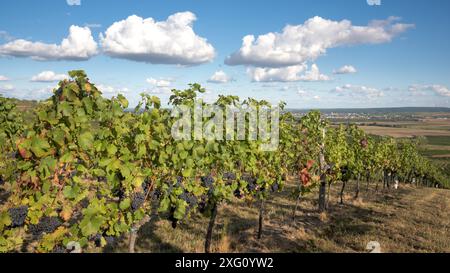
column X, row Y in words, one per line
column 436, row 88
column 284, row 74
column 313, row 75
column 159, row 86
column 220, row 77
column 287, row 74
column 48, row 76
column 73, row 2
column 166, row 42
column 6, row 87
column 3, row 78
column 78, row 46
column 346, row 69
column 29, row 93
column 111, row 91
column 159, row 82
column 306, row 42
column 358, row 91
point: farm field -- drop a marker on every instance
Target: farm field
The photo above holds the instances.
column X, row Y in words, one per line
column 406, row 220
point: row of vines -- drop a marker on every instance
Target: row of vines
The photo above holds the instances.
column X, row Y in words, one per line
column 86, row 170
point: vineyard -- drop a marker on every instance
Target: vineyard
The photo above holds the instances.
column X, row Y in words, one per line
column 85, row 171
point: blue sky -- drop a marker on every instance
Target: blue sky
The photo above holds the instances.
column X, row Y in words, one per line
column 399, row 60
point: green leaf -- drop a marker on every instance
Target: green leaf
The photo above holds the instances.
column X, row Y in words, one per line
column 86, row 140
column 125, row 204
column 39, row 147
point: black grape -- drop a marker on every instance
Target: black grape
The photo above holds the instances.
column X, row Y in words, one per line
column 207, row 181
column 97, row 239
column 145, row 186
column 275, row 187
column 102, row 179
column 138, row 201
column 110, row 240
column 229, row 176
column 190, row 199
column 251, row 186
column 179, row 180
column 84, row 203
column 45, row 225
column 59, row 249
column 18, row 216
column 156, row 194
column 2, row 181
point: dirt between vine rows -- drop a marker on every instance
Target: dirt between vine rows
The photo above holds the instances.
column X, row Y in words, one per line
column 409, row 219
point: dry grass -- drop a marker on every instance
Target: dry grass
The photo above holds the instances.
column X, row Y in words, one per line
column 403, row 132
column 407, row 220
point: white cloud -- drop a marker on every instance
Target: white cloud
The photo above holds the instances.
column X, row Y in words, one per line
column 306, row 42
column 3, row 78
column 7, row 87
column 48, row 76
column 314, row 75
column 78, row 46
column 73, row 2
column 286, row 74
column 346, row 69
column 301, row 92
column 159, row 82
column 28, row 94
column 358, row 91
column 158, row 90
column 436, row 88
column 166, row 42
column 220, row 77
column 159, row 86
column 111, row 91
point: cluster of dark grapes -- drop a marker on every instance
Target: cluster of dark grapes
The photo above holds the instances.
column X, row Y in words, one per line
column 59, row 249
column 1, row 180
column 18, row 216
column 97, row 239
column 190, row 199
column 251, row 183
column 110, row 240
column 137, row 201
column 275, row 187
column 45, row 225
column 202, row 204
column 156, row 194
column 208, row 182
column 145, row 186
column 102, row 179
column 84, row 203
column 229, row 177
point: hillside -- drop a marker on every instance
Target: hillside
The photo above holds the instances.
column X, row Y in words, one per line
column 406, row 220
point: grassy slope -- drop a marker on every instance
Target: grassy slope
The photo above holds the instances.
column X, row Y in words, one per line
column 407, row 220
